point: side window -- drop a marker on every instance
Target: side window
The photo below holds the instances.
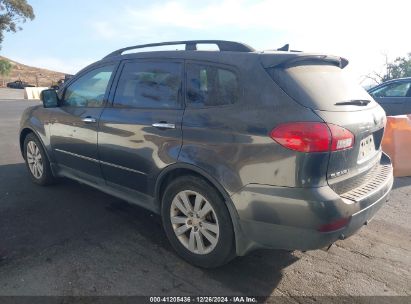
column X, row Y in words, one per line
column 399, row 89
column 211, row 86
column 89, row 89
column 149, row 85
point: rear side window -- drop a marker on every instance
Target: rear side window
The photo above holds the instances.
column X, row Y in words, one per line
column 209, row 86
column 149, row 85
column 320, row 86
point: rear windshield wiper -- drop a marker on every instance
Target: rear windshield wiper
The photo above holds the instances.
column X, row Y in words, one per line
column 356, row 102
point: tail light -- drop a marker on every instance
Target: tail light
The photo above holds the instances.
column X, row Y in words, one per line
column 312, row 136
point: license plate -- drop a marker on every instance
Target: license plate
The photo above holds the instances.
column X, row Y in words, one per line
column 367, row 148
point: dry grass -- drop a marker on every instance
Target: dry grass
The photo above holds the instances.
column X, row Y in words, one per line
column 32, row 75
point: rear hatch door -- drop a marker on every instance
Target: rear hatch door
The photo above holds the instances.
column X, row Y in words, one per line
column 326, row 89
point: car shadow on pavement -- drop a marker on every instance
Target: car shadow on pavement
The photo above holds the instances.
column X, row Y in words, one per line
column 42, row 221
column 256, row 274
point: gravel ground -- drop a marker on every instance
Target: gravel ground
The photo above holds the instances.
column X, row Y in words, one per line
column 70, row 239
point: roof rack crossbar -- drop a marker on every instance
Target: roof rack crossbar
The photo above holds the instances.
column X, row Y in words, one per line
column 191, row 45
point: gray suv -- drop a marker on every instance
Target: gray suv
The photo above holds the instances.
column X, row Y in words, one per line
column 235, row 149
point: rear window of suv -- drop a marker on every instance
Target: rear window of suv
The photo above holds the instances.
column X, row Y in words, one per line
column 209, row 86
column 320, row 86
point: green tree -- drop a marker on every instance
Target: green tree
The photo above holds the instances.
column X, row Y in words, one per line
column 13, row 12
column 400, row 67
column 5, row 67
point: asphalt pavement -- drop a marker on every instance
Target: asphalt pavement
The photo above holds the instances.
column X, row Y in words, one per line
column 6, row 93
column 69, row 239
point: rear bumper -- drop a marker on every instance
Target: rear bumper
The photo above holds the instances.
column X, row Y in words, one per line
column 289, row 218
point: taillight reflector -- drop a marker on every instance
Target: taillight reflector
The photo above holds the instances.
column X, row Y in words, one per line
column 312, row 136
column 334, row 225
column 341, row 138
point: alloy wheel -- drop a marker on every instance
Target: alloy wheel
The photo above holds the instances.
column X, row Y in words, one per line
column 34, row 159
column 194, row 222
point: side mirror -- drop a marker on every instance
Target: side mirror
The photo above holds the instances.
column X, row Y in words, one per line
column 49, row 98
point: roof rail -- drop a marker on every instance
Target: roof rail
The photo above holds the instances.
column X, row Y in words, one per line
column 191, row 45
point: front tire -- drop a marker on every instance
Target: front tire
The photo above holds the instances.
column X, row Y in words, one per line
column 37, row 162
column 197, row 222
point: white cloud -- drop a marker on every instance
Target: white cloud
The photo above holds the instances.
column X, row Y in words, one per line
column 358, row 30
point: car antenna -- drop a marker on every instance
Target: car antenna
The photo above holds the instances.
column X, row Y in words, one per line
column 285, row 48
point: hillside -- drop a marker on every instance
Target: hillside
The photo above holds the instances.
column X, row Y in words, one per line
column 32, row 75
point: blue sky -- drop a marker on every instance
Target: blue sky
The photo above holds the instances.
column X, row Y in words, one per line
column 67, row 35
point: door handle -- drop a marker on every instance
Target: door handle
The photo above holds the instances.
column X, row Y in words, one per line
column 164, row 125
column 89, row 119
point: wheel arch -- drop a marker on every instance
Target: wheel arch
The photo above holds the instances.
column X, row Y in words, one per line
column 179, row 169
column 23, row 134
column 185, row 169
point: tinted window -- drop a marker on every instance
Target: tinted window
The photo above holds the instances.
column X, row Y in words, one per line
column 149, row 85
column 89, row 89
column 319, row 86
column 399, row 89
column 210, row 86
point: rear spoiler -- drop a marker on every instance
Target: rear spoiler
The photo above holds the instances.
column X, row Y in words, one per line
column 338, row 61
column 286, row 59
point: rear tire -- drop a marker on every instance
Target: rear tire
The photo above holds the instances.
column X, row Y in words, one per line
column 37, row 162
column 197, row 222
